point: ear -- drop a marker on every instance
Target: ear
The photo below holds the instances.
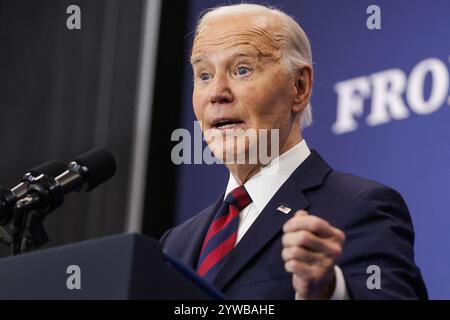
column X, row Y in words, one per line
column 303, row 84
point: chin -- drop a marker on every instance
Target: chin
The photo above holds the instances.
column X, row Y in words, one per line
column 241, row 152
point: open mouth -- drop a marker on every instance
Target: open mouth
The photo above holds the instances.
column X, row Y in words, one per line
column 223, row 123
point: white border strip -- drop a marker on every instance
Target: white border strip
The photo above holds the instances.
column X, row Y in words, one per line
column 143, row 114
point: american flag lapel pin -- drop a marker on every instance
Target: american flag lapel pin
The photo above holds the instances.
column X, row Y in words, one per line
column 284, row 209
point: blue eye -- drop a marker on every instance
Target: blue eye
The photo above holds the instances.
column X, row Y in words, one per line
column 242, row 71
column 204, row 76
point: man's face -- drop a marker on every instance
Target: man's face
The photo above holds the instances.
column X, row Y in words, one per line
column 240, row 79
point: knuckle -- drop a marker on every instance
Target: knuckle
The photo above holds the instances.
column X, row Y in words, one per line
column 343, row 237
column 292, row 252
column 284, row 254
column 337, row 251
column 301, row 237
column 315, row 225
column 289, row 266
column 284, row 239
column 295, row 252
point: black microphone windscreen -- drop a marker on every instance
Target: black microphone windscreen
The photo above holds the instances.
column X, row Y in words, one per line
column 100, row 166
column 52, row 168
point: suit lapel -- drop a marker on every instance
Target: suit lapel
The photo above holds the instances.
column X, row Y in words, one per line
column 270, row 221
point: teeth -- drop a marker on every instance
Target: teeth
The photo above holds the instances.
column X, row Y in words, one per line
column 227, row 126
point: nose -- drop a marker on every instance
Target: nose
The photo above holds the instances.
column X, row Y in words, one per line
column 220, row 91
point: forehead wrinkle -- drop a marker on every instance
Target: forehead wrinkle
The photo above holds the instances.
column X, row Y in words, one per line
column 241, row 53
column 196, row 60
column 259, row 38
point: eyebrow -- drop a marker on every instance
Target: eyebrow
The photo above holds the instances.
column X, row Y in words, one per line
column 198, row 59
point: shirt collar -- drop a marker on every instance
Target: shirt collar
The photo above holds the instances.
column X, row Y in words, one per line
column 263, row 185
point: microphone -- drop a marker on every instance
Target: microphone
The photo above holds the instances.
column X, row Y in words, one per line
column 87, row 171
column 45, row 194
column 8, row 198
column 84, row 173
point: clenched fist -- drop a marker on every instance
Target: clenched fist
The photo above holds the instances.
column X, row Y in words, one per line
column 310, row 248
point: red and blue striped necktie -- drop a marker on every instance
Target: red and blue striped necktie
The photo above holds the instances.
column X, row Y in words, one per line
column 222, row 233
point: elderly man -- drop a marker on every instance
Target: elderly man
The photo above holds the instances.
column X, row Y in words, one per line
column 302, row 231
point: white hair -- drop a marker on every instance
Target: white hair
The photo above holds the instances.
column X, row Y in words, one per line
column 295, row 46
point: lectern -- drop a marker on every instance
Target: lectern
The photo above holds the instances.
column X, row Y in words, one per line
column 127, row 266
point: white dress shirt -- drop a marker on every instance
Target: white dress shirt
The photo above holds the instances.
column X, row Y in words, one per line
column 263, row 186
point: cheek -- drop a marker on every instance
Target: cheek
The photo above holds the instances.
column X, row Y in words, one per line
column 268, row 98
column 277, row 101
column 267, row 108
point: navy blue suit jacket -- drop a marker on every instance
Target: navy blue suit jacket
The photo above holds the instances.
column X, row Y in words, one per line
column 374, row 218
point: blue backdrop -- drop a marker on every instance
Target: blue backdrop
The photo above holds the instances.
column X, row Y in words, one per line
column 390, row 88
